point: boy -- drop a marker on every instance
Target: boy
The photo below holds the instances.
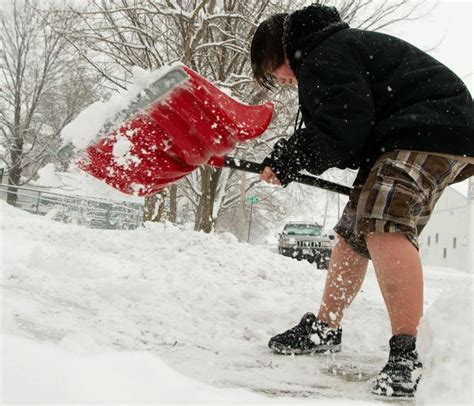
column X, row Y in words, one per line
column 371, row 102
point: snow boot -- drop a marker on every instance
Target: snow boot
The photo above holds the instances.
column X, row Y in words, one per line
column 310, row 336
column 400, row 376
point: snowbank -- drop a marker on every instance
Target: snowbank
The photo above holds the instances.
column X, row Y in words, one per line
column 445, row 343
column 199, row 308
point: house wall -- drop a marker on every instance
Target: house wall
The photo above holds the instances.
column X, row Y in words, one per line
column 447, row 239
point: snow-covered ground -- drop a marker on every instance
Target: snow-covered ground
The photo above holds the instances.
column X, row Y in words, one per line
column 160, row 314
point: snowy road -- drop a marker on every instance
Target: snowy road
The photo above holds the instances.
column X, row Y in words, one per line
column 205, row 305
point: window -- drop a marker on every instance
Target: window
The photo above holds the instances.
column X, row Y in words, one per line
column 429, row 240
column 454, row 242
column 445, row 252
column 436, row 238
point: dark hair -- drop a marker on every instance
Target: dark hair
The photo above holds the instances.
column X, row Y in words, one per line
column 266, row 51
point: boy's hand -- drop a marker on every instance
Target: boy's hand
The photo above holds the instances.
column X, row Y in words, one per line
column 268, row 176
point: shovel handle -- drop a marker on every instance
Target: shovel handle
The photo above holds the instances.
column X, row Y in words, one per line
column 254, row 167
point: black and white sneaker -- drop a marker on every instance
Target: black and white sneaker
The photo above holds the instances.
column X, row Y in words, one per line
column 310, row 336
column 400, row 376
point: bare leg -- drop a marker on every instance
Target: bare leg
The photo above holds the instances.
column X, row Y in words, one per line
column 399, row 273
column 346, row 273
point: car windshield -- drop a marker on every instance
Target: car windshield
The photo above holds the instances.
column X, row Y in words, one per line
column 302, row 229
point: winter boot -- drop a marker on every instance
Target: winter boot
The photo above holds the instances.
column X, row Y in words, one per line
column 401, row 374
column 310, row 336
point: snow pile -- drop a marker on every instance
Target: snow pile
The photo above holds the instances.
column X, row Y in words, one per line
column 445, row 343
column 192, row 307
column 204, row 304
column 83, row 130
column 170, row 274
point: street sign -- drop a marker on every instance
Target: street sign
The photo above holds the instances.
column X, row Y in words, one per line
column 252, row 199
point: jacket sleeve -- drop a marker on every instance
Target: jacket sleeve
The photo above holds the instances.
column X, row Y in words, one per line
column 339, row 104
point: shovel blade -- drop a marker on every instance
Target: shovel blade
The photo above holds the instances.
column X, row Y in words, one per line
column 178, row 123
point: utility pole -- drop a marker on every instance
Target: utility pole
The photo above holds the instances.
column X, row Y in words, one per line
column 250, row 221
column 338, row 206
column 251, row 199
column 241, row 227
column 326, row 209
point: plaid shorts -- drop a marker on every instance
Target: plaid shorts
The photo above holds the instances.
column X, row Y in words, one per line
column 398, row 196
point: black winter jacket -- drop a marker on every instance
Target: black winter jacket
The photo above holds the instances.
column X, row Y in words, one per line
column 363, row 93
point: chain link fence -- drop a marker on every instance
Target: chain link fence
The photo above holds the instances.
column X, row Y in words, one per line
column 87, row 211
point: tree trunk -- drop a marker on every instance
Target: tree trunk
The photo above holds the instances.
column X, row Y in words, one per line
column 12, row 193
column 14, row 176
column 209, row 182
column 149, row 207
column 150, row 211
column 173, row 203
column 206, row 203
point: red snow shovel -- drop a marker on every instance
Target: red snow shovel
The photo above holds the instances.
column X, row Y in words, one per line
column 176, row 124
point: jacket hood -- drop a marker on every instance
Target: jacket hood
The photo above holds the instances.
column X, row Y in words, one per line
column 306, row 28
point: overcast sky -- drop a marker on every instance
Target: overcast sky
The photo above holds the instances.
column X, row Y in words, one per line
column 449, row 26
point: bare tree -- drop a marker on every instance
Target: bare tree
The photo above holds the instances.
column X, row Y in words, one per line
column 360, row 14
column 213, row 38
column 209, row 36
column 39, row 93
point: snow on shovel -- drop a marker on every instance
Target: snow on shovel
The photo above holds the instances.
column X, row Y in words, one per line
column 177, row 123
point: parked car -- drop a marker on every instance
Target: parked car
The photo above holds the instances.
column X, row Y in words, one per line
column 307, row 241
